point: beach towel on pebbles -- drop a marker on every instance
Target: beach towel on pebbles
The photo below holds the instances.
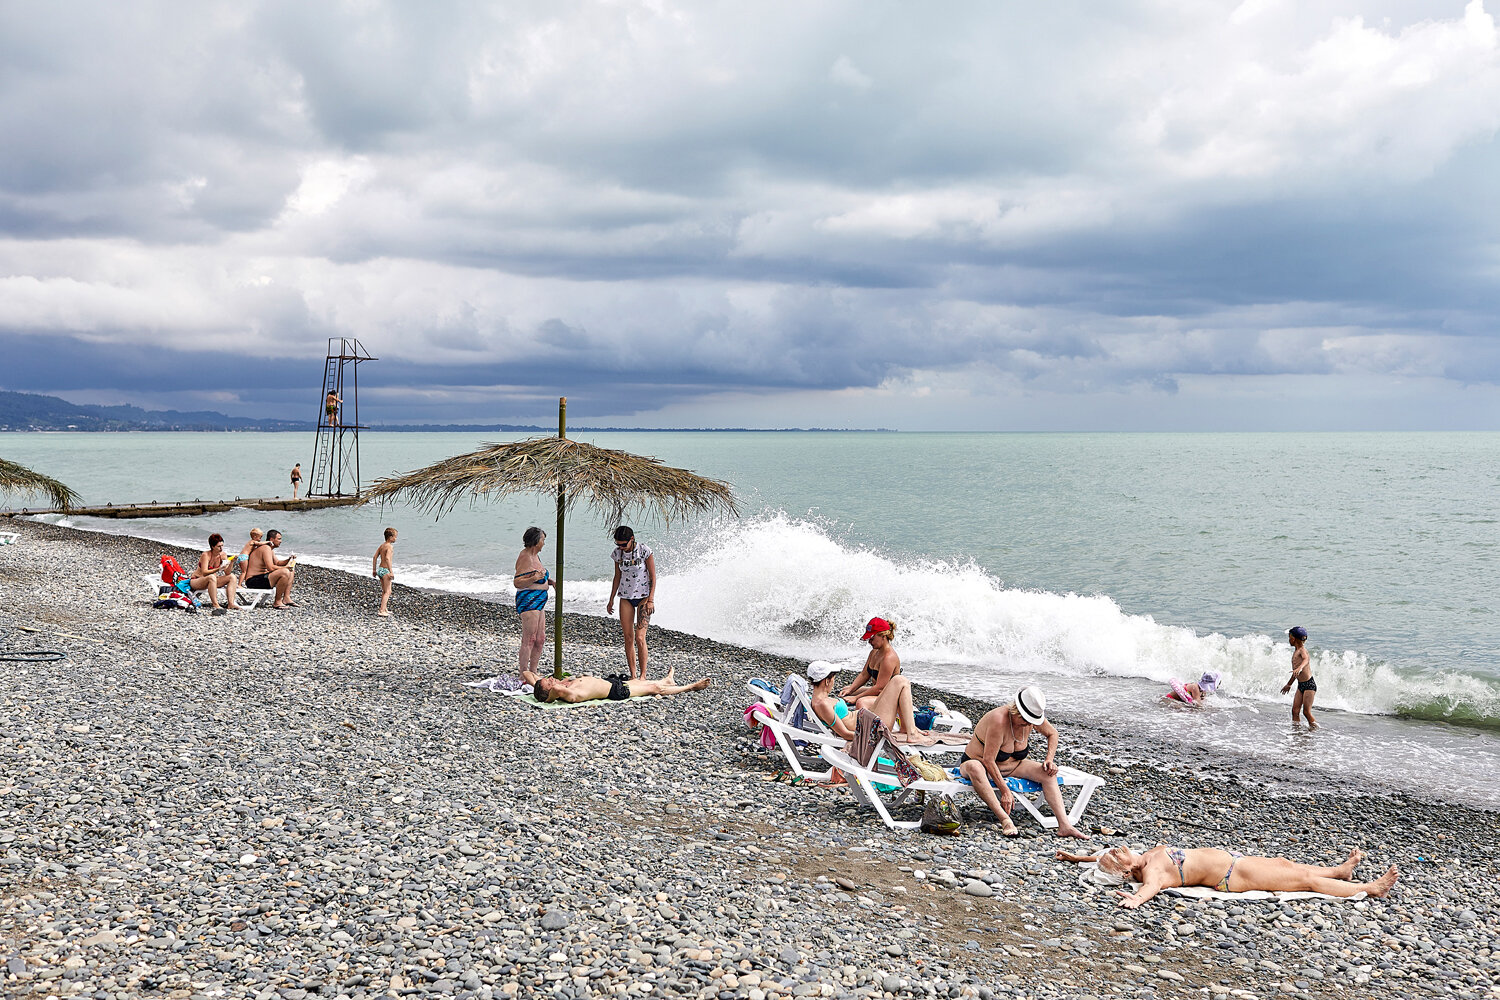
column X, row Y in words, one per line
column 523, row 694
column 1204, row 892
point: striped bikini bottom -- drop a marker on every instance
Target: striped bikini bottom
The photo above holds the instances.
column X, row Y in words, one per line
column 531, row 600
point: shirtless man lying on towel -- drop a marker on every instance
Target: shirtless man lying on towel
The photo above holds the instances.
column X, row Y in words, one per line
column 616, row 688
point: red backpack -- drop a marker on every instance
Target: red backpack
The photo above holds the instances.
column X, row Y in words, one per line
column 171, row 572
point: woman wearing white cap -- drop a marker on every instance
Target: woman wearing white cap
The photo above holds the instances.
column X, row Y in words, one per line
column 1000, row 749
column 893, row 706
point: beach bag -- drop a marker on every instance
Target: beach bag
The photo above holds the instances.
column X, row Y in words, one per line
column 942, row 816
column 928, row 771
column 171, row 570
column 925, row 717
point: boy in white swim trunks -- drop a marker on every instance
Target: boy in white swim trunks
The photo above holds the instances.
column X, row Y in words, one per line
column 382, row 569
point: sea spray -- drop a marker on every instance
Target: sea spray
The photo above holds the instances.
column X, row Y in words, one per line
column 805, row 588
column 791, row 586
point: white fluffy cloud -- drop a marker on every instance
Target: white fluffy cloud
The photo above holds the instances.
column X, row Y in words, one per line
column 768, row 202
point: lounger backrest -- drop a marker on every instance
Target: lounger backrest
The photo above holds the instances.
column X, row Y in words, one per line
column 796, row 705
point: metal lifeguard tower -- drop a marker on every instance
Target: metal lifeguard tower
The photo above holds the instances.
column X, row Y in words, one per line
column 335, row 463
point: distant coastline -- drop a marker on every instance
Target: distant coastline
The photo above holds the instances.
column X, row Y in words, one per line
column 32, row 412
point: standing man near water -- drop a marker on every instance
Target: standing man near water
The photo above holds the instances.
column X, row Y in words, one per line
column 296, row 479
column 1302, row 701
column 635, row 580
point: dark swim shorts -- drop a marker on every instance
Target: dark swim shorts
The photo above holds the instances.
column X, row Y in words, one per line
column 261, row 581
column 619, row 689
column 1307, row 685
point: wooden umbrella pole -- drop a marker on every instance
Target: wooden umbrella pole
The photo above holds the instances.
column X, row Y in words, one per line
column 557, row 624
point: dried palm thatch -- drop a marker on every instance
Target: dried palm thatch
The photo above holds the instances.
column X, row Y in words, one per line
column 19, row 479
column 611, row 482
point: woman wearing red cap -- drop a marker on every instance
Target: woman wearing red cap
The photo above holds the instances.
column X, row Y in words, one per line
column 880, row 666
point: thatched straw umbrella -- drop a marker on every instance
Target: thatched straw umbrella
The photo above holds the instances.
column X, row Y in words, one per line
column 19, row 479
column 612, row 482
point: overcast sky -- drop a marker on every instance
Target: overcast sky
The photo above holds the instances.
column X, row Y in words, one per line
column 1145, row 214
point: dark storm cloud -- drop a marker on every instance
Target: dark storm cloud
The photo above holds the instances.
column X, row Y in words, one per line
column 765, row 199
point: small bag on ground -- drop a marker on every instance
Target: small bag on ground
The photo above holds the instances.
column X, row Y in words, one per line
column 941, row 815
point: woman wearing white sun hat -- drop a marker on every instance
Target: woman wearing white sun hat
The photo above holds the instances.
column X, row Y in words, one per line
column 1000, row 749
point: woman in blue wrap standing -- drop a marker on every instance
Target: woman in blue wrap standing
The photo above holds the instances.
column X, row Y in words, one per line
column 531, row 582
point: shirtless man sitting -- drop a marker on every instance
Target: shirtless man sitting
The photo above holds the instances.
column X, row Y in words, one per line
column 999, row 750
column 264, row 571
column 616, row 688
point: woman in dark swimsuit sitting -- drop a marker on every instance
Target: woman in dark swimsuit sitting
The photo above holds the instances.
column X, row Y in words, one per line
column 1165, row 867
column 999, row 750
column 880, row 666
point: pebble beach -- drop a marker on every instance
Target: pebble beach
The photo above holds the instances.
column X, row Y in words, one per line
column 312, row 803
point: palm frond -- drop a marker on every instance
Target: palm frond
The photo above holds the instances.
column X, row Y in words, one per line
column 19, row 479
column 611, row 482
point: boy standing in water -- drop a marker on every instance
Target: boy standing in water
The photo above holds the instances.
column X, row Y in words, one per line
column 1302, row 701
column 382, row 570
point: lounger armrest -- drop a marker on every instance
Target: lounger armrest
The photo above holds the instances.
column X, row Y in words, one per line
column 802, row 735
column 839, row 759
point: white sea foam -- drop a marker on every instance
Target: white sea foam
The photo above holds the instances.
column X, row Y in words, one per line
column 791, row 586
column 787, row 585
column 431, row 576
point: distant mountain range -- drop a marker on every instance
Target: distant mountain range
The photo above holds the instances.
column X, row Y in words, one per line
column 26, row 411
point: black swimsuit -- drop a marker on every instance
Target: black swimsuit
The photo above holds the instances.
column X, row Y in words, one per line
column 1020, row 753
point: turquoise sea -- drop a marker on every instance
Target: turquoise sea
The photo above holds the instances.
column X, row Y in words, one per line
column 1098, row 565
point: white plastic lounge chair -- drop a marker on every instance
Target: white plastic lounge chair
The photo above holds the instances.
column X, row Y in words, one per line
column 8, row 537
column 764, row 692
column 864, row 779
column 800, row 696
column 1029, row 793
column 812, row 739
column 787, row 739
column 246, row 595
column 954, row 722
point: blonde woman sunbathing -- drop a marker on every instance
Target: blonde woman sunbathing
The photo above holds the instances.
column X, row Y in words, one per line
column 1165, row 867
